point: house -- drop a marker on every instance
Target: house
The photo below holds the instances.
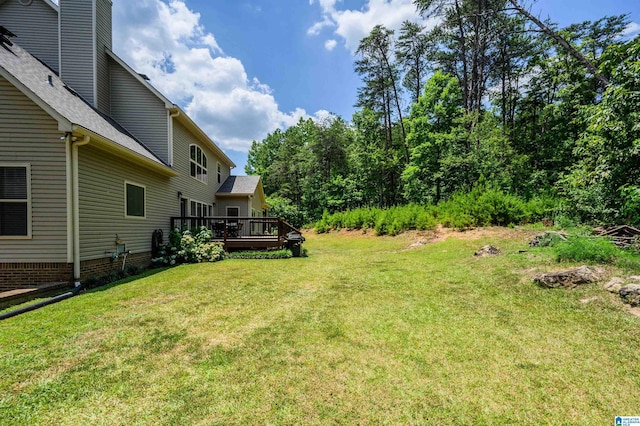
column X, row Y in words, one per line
column 242, row 196
column 93, row 158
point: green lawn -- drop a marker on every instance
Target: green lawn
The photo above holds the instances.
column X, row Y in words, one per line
column 363, row 331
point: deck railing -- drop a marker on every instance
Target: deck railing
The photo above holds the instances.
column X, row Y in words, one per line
column 232, row 228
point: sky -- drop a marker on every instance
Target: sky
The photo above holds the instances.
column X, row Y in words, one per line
column 244, row 68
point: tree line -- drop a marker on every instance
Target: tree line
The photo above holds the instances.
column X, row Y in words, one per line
column 490, row 93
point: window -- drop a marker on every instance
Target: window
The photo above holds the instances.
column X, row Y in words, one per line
column 199, row 209
column 15, row 200
column 219, row 173
column 198, row 163
column 134, row 200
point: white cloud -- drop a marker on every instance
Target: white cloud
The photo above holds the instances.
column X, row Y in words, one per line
column 330, row 44
column 632, row 29
column 353, row 25
column 166, row 41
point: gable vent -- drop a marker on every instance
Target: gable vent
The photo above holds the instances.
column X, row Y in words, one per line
column 4, row 37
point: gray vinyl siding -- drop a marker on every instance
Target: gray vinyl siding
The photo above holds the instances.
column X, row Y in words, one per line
column 240, row 201
column 77, row 46
column 36, row 27
column 29, row 135
column 103, row 39
column 102, row 204
column 190, row 187
column 256, row 204
column 140, row 111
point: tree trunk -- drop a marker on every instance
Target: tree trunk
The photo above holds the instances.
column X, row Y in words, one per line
column 564, row 43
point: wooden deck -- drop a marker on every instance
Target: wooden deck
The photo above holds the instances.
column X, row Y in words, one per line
column 241, row 232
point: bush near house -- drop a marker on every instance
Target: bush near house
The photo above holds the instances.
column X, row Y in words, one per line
column 190, row 247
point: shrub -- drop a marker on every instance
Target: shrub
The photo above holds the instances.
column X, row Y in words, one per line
column 587, row 249
column 482, row 206
column 270, row 254
column 188, row 247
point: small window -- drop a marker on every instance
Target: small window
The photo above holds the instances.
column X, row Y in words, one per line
column 198, row 163
column 135, row 200
column 15, row 202
column 219, row 173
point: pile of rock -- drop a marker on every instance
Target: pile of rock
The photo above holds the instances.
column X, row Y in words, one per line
column 569, row 279
column 487, row 251
column 628, row 289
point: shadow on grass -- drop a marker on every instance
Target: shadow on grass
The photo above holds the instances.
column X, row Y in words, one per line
column 108, row 286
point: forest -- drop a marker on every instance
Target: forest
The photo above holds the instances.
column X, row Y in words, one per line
column 491, row 98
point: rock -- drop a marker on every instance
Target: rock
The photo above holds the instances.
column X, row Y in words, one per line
column 569, row 279
column 547, row 239
column 487, row 251
column 419, row 243
column 630, row 294
column 614, row 285
column 589, row 299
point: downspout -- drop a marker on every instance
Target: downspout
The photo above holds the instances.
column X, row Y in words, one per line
column 76, row 207
column 71, row 148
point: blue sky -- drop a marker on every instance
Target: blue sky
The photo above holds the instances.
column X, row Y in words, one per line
column 244, row 68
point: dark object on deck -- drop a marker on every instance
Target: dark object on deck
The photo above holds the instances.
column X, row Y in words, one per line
column 294, row 243
column 622, row 236
column 156, row 242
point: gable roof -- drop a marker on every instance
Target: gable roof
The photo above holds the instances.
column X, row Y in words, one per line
column 239, row 185
column 73, row 113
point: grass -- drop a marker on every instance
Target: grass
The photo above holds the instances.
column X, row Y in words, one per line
column 364, row 331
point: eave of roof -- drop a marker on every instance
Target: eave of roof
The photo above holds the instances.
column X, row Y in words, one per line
column 123, row 152
column 49, row 92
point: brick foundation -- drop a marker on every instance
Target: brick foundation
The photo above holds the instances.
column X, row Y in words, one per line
column 27, row 275
column 99, row 267
column 15, row 276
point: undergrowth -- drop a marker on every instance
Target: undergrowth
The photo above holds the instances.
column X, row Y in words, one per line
column 482, row 206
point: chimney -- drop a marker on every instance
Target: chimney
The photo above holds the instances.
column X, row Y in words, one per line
column 85, row 32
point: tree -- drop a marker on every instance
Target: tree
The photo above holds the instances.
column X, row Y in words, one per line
column 430, row 125
column 411, row 52
column 380, row 77
column 466, row 38
column 605, row 179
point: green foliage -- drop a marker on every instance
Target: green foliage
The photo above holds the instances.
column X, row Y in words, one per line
column 268, row 254
column 188, row 247
column 587, row 249
column 630, row 211
column 560, row 131
column 482, row 206
column 286, row 209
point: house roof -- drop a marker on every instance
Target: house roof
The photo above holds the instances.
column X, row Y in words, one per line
column 73, row 113
column 239, row 185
